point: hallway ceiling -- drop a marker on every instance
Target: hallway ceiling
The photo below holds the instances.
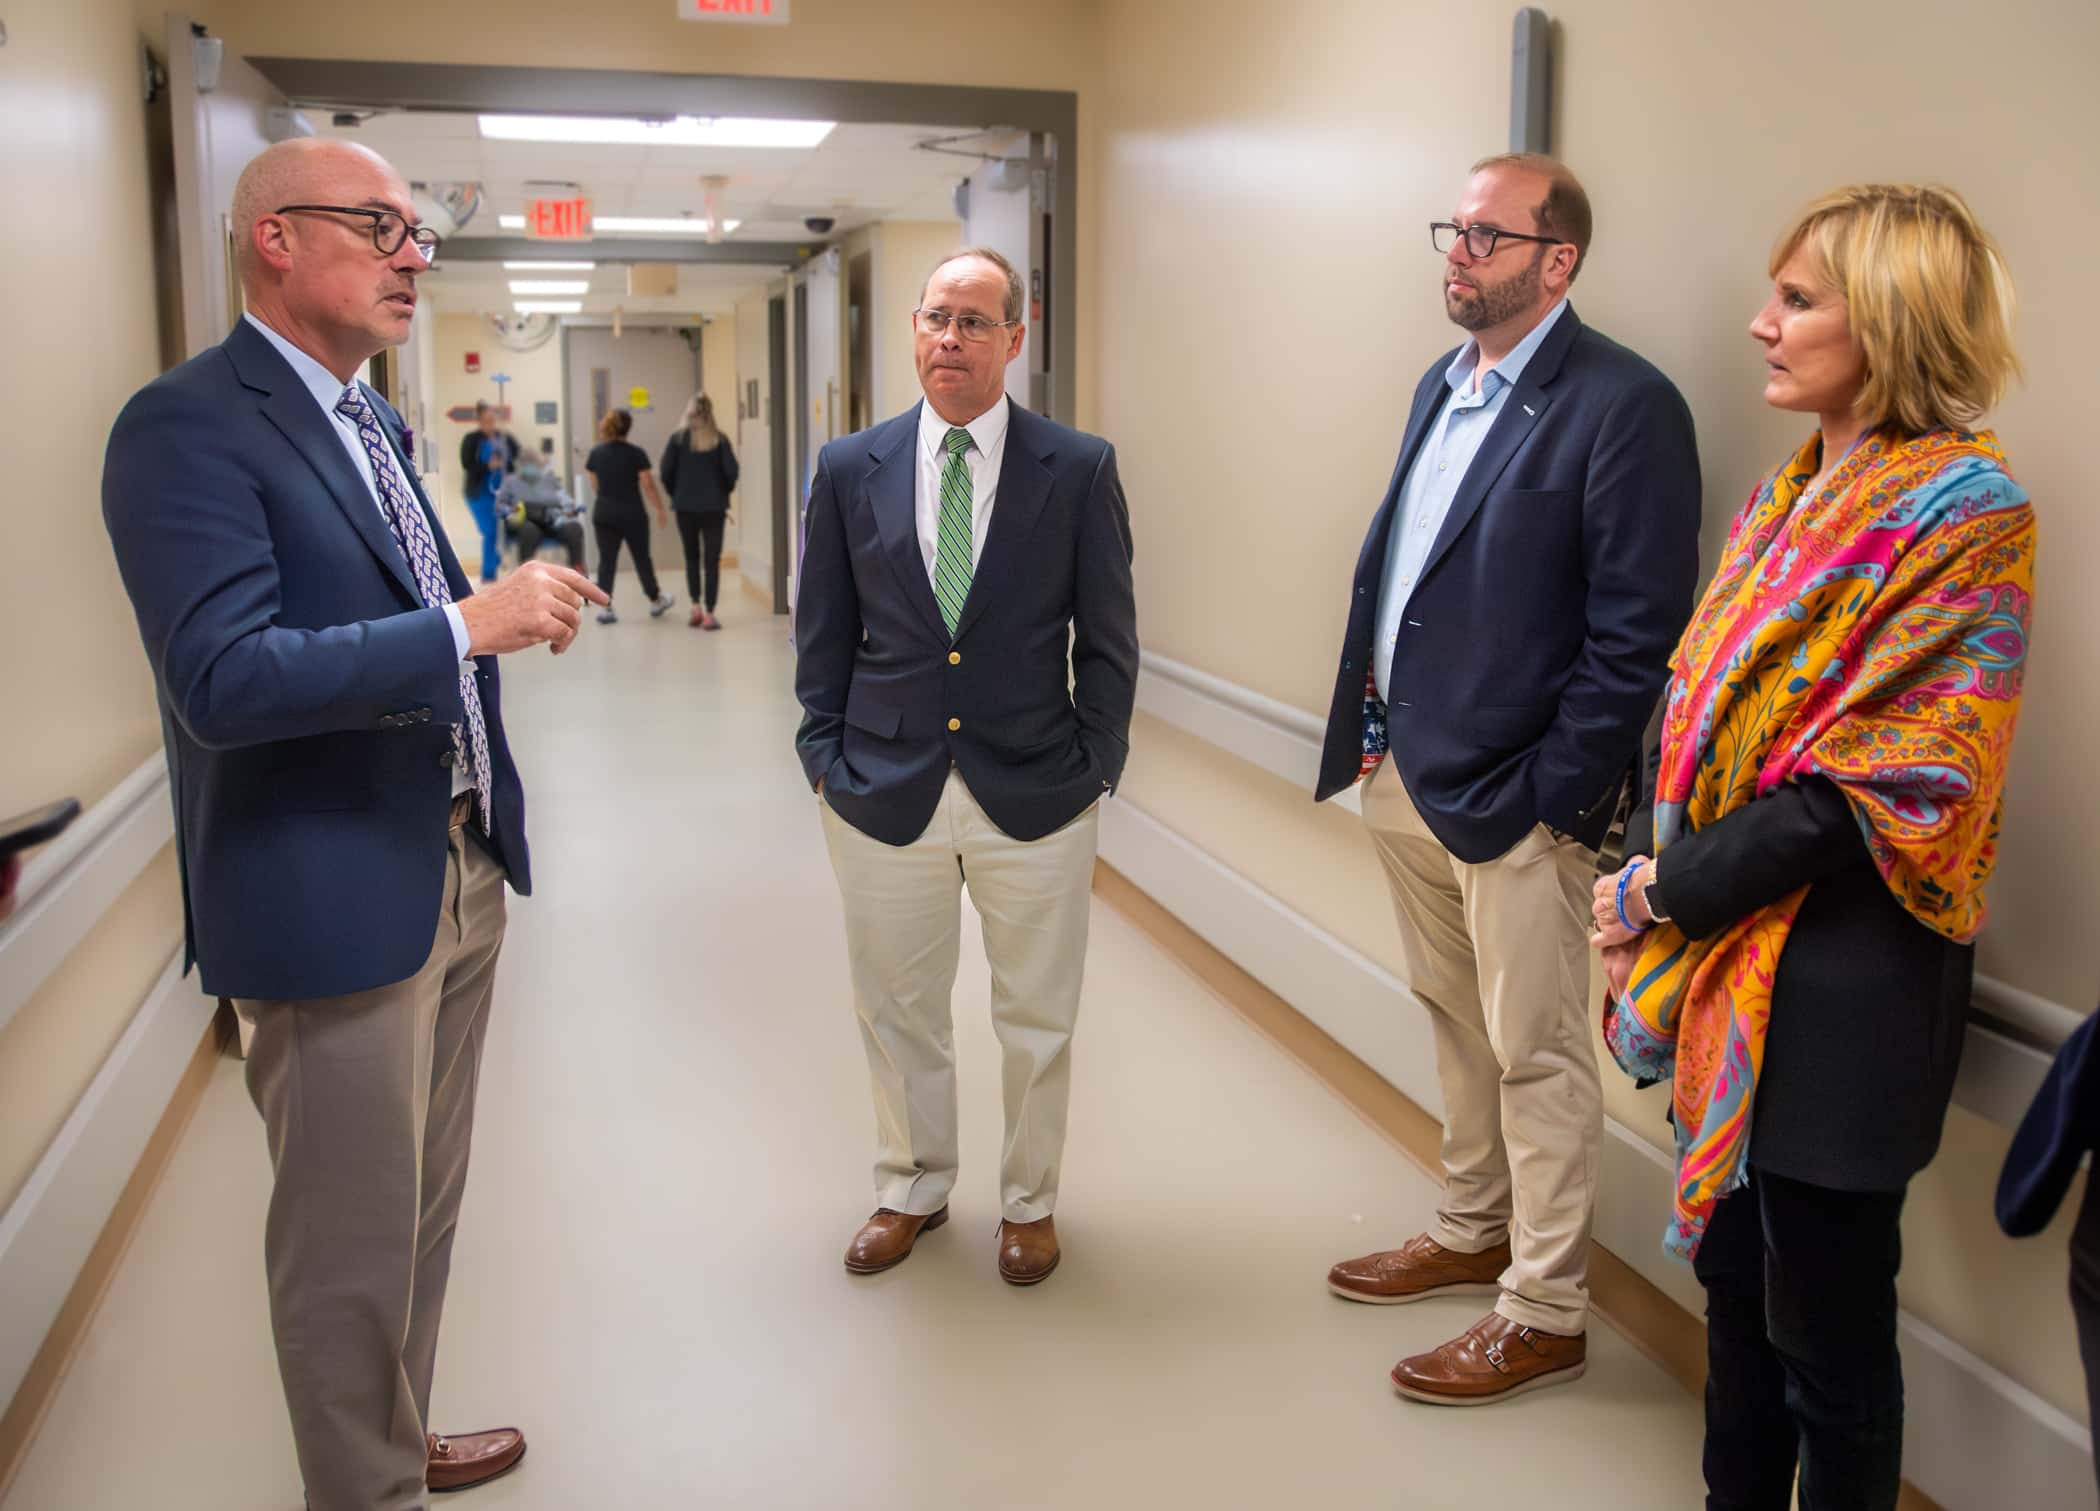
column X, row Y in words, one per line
column 858, row 175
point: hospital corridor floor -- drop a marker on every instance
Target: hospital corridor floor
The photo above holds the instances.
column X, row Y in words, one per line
column 673, row 1146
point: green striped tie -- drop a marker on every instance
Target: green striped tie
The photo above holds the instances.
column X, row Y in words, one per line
column 951, row 557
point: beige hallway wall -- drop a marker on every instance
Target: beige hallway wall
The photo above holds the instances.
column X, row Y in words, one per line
column 1266, row 300
column 82, row 335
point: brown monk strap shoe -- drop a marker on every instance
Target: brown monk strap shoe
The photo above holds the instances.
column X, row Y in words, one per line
column 1420, row 1267
column 1492, row 1360
column 473, row 1458
column 886, row 1239
column 1027, row 1251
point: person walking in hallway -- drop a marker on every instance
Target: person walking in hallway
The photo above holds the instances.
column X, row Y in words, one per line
column 487, row 455
column 1791, row 943
column 951, row 555
column 1514, row 606
column 347, row 812
column 699, row 469
column 620, row 476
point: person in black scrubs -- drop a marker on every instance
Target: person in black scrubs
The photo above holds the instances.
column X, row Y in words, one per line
column 699, row 470
column 621, row 478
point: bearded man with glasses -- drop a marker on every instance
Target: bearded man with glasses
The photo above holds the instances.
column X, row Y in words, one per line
column 347, row 810
column 967, row 655
column 1514, row 607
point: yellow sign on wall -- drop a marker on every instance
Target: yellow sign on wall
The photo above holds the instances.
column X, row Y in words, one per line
column 637, row 398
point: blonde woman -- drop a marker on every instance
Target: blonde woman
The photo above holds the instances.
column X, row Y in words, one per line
column 1795, row 957
column 699, row 472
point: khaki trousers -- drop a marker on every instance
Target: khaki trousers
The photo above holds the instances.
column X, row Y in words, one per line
column 904, row 941
column 368, row 1103
column 1499, row 954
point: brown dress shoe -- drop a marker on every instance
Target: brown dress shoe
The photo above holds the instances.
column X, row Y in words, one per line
column 1027, row 1251
column 1420, row 1267
column 473, row 1458
column 1492, row 1360
column 886, row 1239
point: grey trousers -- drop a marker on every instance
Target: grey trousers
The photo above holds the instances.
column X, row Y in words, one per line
column 368, row 1104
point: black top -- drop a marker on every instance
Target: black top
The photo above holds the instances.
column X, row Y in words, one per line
column 699, row 482
column 1869, row 1006
column 471, row 457
column 618, row 467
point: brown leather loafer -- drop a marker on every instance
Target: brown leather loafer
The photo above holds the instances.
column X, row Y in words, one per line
column 886, row 1239
column 1027, row 1251
column 473, row 1458
column 1492, row 1360
column 1420, row 1267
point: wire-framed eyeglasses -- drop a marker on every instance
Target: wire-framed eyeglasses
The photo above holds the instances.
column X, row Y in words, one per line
column 389, row 230
column 969, row 327
column 1480, row 240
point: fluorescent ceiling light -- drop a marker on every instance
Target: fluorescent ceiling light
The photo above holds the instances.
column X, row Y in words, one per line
column 546, row 267
column 680, row 131
column 650, row 225
column 550, row 286
column 548, row 306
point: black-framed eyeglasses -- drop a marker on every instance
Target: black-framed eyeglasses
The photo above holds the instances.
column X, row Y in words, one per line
column 1480, row 240
column 389, row 230
column 969, row 327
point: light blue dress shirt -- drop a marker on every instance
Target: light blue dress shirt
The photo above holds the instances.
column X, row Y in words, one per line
column 327, row 390
column 1434, row 480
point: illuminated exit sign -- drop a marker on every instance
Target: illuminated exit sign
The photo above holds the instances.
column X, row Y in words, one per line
column 558, row 219
column 755, row 12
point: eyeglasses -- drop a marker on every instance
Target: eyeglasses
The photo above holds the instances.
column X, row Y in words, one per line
column 389, row 230
column 969, row 327
column 1480, row 240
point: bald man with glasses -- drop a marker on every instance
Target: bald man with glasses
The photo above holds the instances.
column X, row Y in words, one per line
column 966, row 635
column 348, row 814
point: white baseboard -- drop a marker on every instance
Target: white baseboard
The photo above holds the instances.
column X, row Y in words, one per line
column 1975, row 1437
column 49, row 1230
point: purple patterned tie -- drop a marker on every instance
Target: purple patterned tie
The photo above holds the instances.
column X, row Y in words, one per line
column 412, row 533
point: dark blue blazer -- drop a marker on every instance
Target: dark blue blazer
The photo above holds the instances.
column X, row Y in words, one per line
column 305, row 692
column 1537, row 639
column 1041, row 674
column 2060, row 1126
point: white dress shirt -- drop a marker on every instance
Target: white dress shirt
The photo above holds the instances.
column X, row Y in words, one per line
column 1439, row 470
column 987, row 450
column 327, row 390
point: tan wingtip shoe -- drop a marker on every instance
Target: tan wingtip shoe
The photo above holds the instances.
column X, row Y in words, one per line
column 1490, row 1361
column 886, row 1239
column 1419, row 1268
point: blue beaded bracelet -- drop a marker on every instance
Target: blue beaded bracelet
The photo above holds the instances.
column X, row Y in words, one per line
column 1625, row 880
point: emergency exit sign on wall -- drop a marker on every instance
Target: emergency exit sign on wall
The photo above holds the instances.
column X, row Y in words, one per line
column 758, row 12
column 558, row 219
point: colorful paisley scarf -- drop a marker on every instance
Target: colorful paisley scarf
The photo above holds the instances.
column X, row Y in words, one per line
column 1874, row 635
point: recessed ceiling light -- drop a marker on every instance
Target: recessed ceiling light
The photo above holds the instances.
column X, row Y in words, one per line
column 548, row 306
column 679, row 131
column 550, row 286
column 546, row 267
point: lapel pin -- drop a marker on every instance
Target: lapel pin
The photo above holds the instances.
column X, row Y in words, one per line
column 1530, row 411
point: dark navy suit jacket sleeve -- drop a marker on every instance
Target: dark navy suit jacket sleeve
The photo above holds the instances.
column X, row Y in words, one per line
column 827, row 627
column 1104, row 623
column 192, row 540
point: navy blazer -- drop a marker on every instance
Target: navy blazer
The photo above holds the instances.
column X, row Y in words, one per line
column 1032, row 696
column 2061, row 1124
column 305, row 691
column 1537, row 639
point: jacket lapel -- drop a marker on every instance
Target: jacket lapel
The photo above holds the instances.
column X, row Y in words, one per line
column 1023, row 489
column 288, row 405
column 1525, row 406
column 891, row 489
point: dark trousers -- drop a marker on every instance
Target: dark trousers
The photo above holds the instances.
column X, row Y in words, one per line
column 1801, row 1348
column 635, row 534
column 569, row 534
column 693, row 528
column 2085, row 1288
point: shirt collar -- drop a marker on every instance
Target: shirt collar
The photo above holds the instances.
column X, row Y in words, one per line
column 326, row 388
column 986, row 431
column 1506, row 372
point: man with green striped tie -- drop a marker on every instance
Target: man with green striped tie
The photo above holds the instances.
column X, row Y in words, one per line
column 966, row 642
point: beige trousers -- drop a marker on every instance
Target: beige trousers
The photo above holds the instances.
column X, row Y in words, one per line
column 1499, row 954
column 368, row 1103
column 904, row 940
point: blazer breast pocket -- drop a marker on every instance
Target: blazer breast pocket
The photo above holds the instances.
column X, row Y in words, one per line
column 1540, row 498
